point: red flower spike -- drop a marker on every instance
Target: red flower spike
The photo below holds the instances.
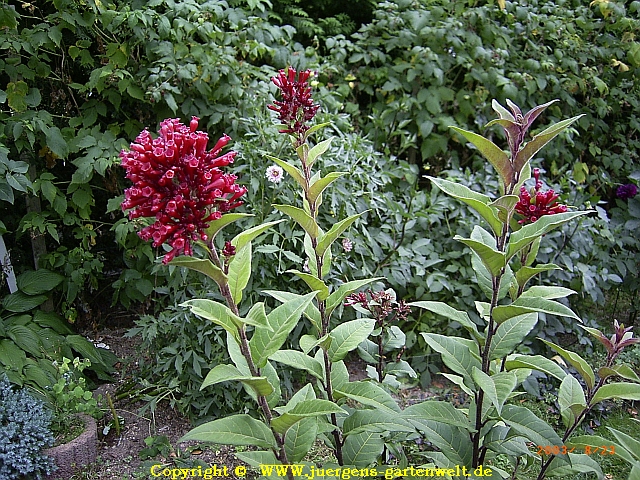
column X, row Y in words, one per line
column 180, row 183
column 534, row 203
column 296, row 108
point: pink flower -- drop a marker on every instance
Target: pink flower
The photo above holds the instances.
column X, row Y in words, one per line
column 534, row 204
column 274, row 174
column 347, row 245
column 180, row 183
column 297, row 107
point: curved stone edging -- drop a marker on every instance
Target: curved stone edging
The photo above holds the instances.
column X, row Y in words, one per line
column 82, row 450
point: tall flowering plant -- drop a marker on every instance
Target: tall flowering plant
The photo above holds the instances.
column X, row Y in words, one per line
column 487, row 366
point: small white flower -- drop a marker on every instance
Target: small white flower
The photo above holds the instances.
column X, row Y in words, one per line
column 274, row 174
column 347, row 244
column 305, row 267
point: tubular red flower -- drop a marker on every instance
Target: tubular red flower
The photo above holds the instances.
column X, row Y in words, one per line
column 296, row 108
column 177, row 181
column 534, row 203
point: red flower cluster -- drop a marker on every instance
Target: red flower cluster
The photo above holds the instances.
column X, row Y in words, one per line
column 297, row 107
column 179, row 182
column 534, row 204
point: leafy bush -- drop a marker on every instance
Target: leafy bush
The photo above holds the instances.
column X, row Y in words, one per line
column 24, row 432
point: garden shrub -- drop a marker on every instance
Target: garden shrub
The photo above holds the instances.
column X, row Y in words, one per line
column 24, row 433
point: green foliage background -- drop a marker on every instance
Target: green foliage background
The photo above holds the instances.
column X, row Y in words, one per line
column 80, row 79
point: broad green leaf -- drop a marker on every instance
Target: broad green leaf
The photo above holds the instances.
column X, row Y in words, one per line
column 270, row 372
column 496, row 387
column 84, row 347
column 305, row 393
column 216, row 225
column 257, row 316
column 434, row 410
column 337, row 297
column 239, row 272
column 485, row 280
column 505, row 206
column 347, row 336
column 314, row 284
column 12, row 356
column 578, row 463
column 242, row 239
column 595, row 441
column 451, row 313
column 56, row 142
column 624, row 391
column 309, row 342
column 362, row 449
column 306, row 408
column 317, row 150
column 36, row 282
column 292, row 170
column 26, row 339
column 525, row 423
column 300, row 360
column 529, row 233
column 455, row 354
column 494, row 260
column 579, row 363
column 510, row 334
column 257, row 458
column 302, row 218
column 523, row 305
column 535, row 362
column 311, row 312
column 300, row 438
column 325, row 241
column 18, row 302
column 479, row 202
column 234, row 430
column 381, row 421
column 493, row 153
column 226, row 373
column 453, row 442
column 571, row 400
column 319, row 185
column 622, row 370
column 527, row 273
column 632, row 445
column 282, row 320
column 315, row 128
column 339, row 372
column 540, row 140
column 368, row 393
column 202, row 265
column 548, row 292
column 459, row 381
column 217, row 313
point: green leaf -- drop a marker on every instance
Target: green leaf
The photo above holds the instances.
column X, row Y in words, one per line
column 234, row 430
column 18, row 302
column 576, row 361
column 510, row 334
column 451, row 313
column 299, row 360
column 362, row 449
column 35, row 282
column 368, row 393
column 525, row 304
column 291, row 170
column 594, row 441
column 239, row 272
column 311, row 312
column 317, row 150
column 497, row 387
column 319, row 185
column 505, row 206
column 381, row 421
column 479, row 202
column 26, row 339
column 244, row 238
column 455, row 354
column 540, row 140
column 84, row 347
column 453, row 442
column 438, row 411
column 202, row 265
column 525, row 423
column 11, row 356
column 571, row 400
column 226, row 373
column 309, row 342
column 527, row 273
column 302, row 218
column 632, row 445
column 337, row 297
column 535, row 362
column 217, row 313
column 56, row 143
column 216, row 225
column 282, row 320
column 306, row 408
column 494, row 260
column 493, row 153
column 548, row 292
column 624, row 391
column 325, row 241
column 300, row 438
column 622, row 370
column 347, row 336
column 314, row 283
column 529, row 233
column 578, row 463
column 257, row 316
